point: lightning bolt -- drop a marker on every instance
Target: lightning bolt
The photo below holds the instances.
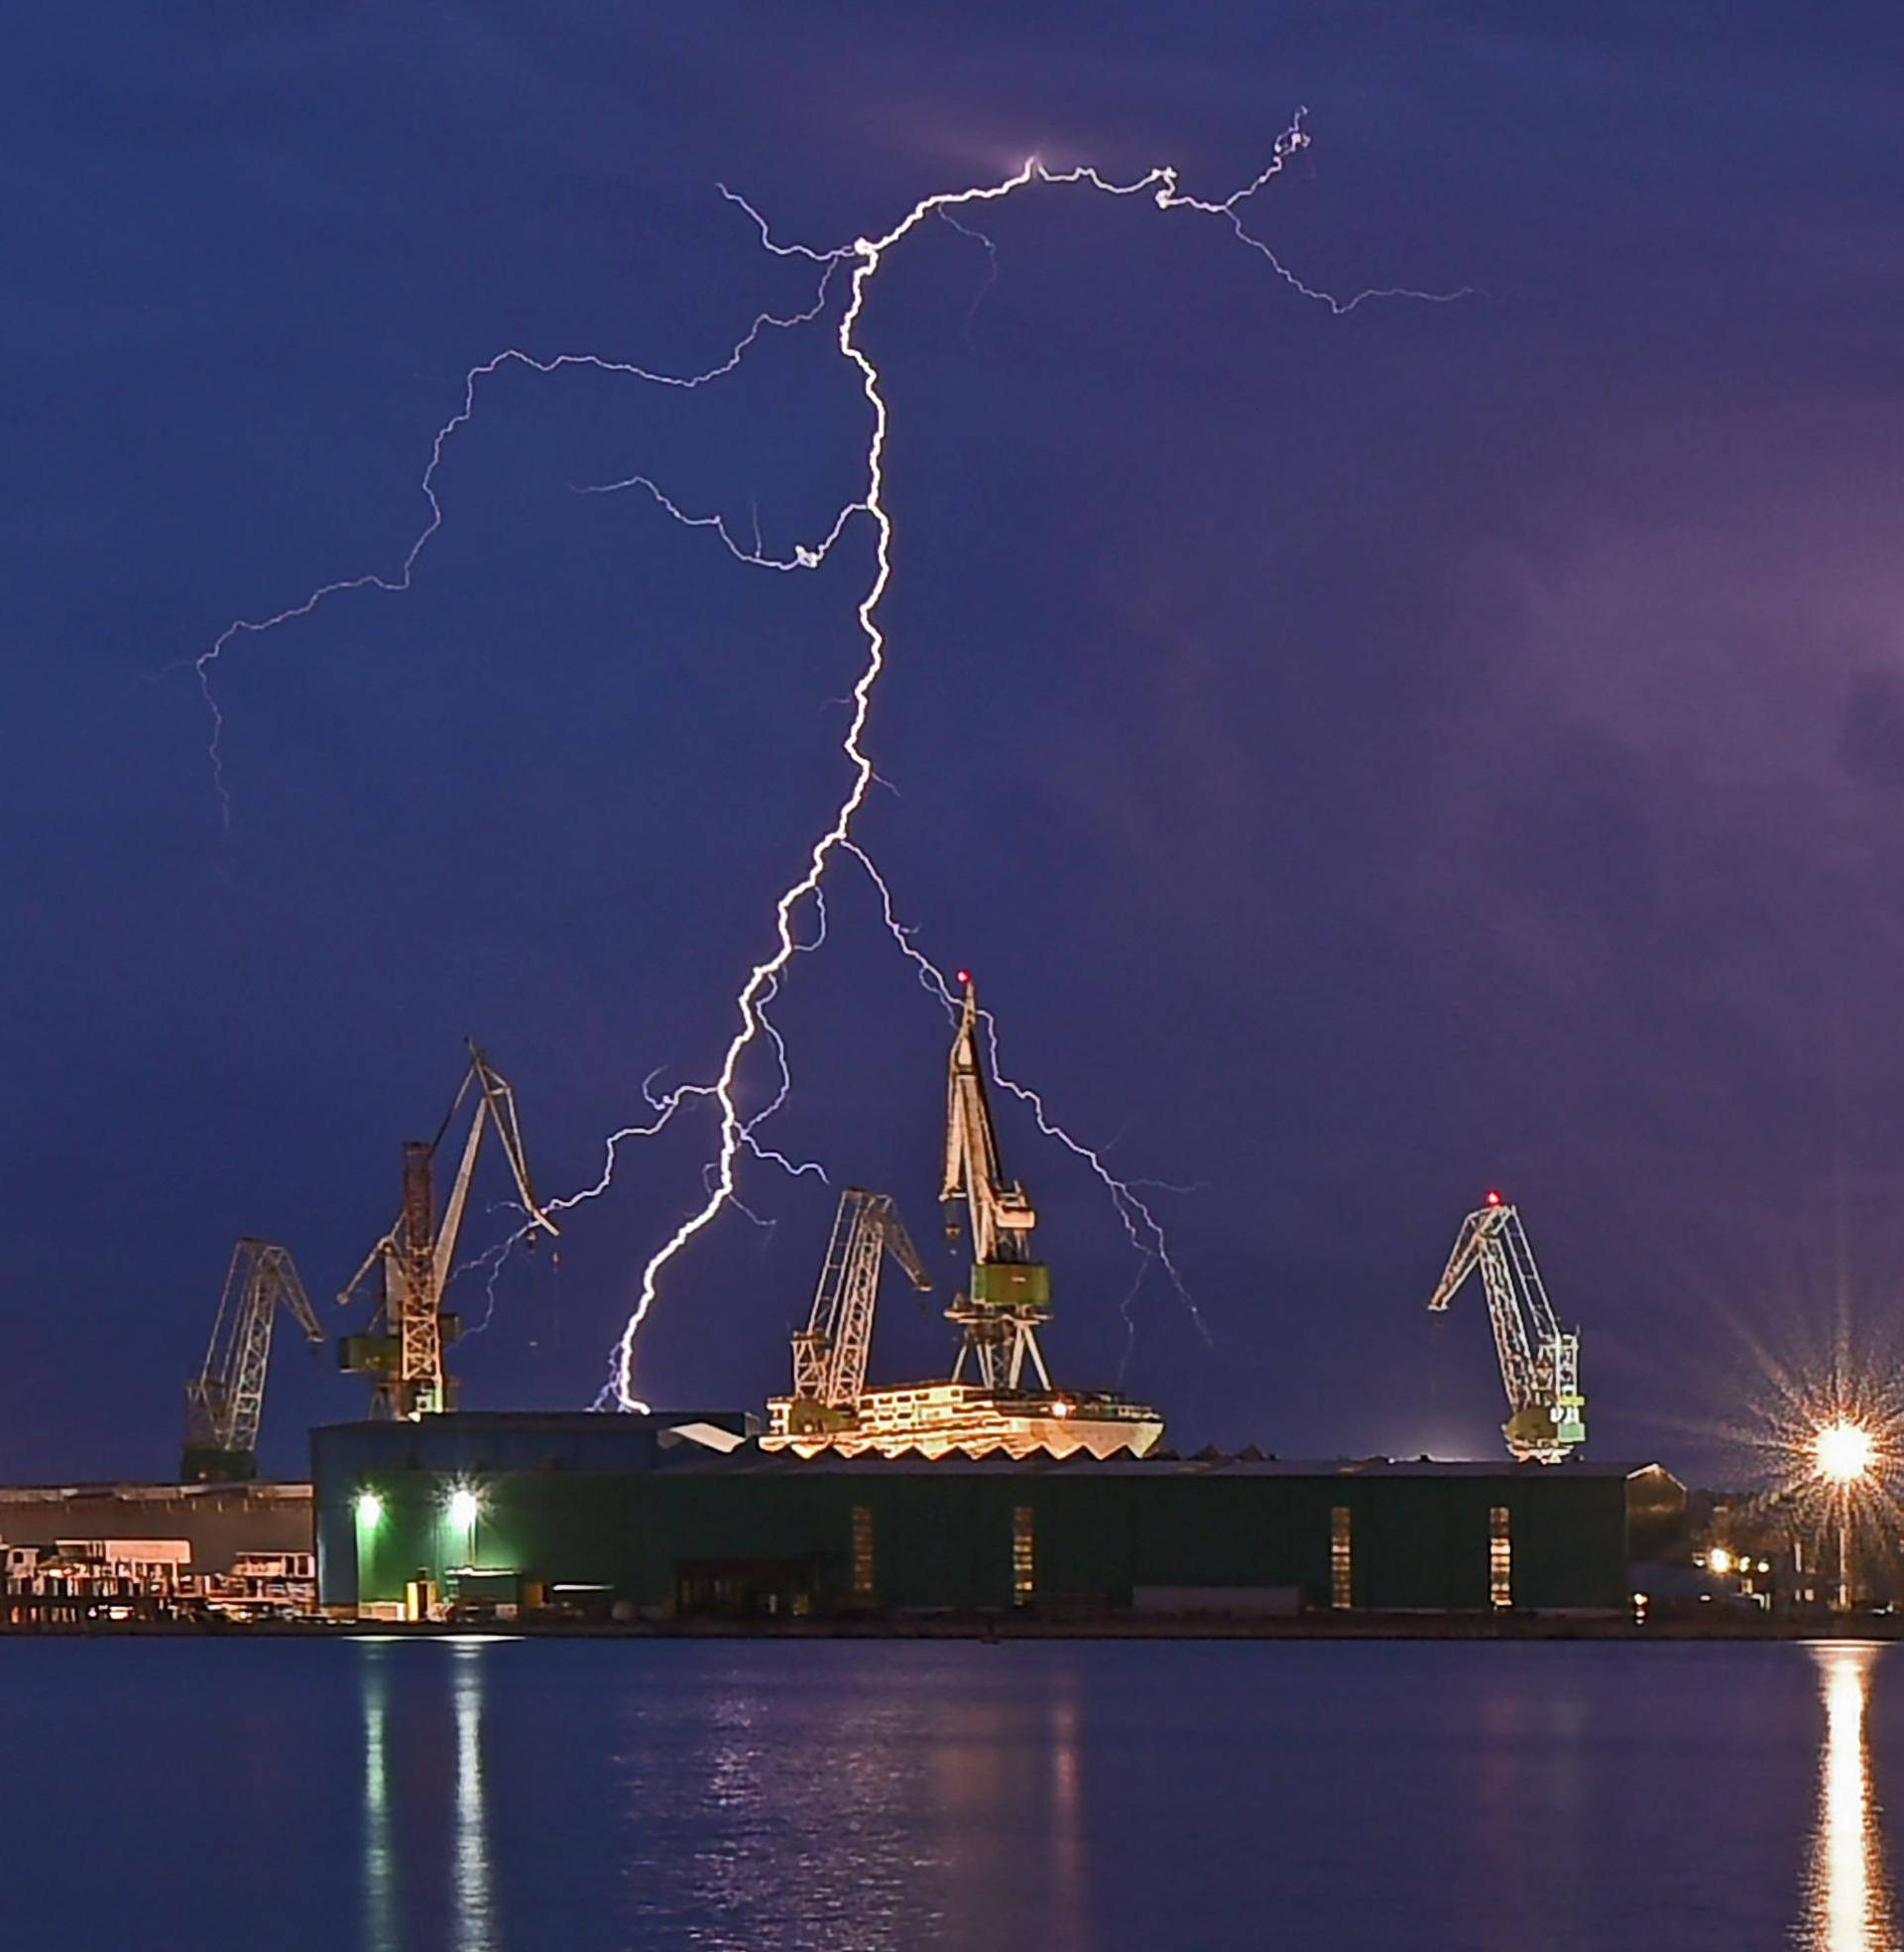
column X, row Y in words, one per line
column 665, row 1104
column 991, row 271
column 491, row 1260
column 395, row 585
column 867, row 256
column 862, row 259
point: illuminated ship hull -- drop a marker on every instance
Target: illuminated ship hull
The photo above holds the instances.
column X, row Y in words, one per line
column 934, row 1419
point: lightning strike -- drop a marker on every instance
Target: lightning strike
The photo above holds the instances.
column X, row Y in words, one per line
column 395, row 585
column 864, row 257
column 793, row 1168
column 868, row 254
column 1143, row 1226
column 991, row 271
column 491, row 1260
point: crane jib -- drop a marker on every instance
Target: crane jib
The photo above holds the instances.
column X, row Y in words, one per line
column 1539, row 1360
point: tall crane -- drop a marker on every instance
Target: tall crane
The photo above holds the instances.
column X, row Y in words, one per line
column 404, row 1351
column 1539, row 1360
column 1009, row 1296
column 830, row 1352
column 225, row 1400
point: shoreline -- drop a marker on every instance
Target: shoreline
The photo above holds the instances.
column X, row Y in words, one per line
column 1877, row 1629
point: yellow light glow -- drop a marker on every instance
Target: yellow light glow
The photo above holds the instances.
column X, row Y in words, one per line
column 1842, row 1452
column 1720, row 1561
column 1848, row 1899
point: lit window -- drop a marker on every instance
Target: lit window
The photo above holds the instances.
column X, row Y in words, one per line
column 1024, row 1555
column 1500, row 1557
column 865, row 1585
column 1342, row 1558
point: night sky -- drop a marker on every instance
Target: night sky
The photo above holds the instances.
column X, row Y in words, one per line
column 1366, row 759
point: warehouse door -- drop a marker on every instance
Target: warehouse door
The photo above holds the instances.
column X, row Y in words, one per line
column 745, row 1589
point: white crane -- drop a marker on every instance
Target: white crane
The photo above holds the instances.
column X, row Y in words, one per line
column 405, row 1350
column 225, row 1400
column 1539, row 1360
column 830, row 1352
column 1010, row 1293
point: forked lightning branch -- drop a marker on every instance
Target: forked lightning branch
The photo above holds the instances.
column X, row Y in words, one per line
column 847, row 274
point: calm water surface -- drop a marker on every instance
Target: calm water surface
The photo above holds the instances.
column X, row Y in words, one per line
column 868, row 1798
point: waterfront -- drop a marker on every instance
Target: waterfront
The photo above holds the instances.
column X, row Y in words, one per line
column 470, row 1795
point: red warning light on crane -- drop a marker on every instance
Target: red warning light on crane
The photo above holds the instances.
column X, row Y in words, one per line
column 965, row 975
column 1493, row 1198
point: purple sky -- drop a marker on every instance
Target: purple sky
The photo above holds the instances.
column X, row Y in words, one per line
column 1366, row 760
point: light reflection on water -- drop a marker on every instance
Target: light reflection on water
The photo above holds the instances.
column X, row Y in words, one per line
column 474, row 1897
column 752, row 1809
column 893, row 1799
column 844, row 1806
column 1847, row 1895
column 398, row 1686
column 380, row 1886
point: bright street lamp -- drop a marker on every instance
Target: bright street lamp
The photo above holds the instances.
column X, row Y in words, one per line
column 1842, row 1452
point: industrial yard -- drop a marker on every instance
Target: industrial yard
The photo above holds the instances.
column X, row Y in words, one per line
column 999, row 1495
column 998, row 1491
column 952, row 984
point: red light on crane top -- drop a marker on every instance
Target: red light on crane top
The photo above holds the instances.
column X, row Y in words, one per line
column 965, row 975
column 1493, row 1198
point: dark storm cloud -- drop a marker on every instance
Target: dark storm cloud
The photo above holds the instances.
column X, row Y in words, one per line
column 1870, row 734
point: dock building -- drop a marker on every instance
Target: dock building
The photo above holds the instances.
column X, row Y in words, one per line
column 684, row 1512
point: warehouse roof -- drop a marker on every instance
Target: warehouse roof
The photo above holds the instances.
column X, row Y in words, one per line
column 245, row 1492
column 749, row 1457
column 696, row 1440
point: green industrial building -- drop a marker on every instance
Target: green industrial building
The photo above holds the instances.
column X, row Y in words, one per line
column 684, row 1514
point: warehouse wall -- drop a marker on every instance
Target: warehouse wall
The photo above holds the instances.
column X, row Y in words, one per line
column 942, row 1535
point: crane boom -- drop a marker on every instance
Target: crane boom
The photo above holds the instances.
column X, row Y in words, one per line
column 1010, row 1293
column 497, row 1110
column 1000, row 1214
column 225, row 1400
column 1539, row 1360
column 404, row 1351
column 830, row 1354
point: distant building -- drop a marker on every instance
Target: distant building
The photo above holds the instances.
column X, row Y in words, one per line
column 78, row 1552
column 218, row 1521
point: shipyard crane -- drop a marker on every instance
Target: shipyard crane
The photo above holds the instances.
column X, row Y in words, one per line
column 225, row 1400
column 830, row 1352
column 1539, row 1360
column 1010, row 1293
column 404, row 1351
